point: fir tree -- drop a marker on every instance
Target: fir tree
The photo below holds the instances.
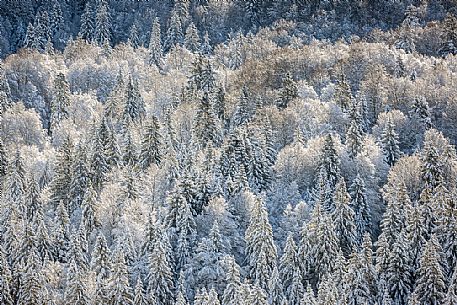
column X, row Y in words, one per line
column 260, row 247
column 354, row 134
column 206, row 126
column 61, row 233
column 308, row 297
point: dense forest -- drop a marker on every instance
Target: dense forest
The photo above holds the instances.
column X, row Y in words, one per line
column 228, row 152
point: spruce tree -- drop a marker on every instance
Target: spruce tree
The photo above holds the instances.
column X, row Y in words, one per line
column 288, row 93
column 398, row 273
column 174, row 32
column 330, row 163
column 343, row 94
column 430, row 286
column 275, row 288
column 389, row 140
column 102, row 32
column 134, row 40
column 76, row 291
column 139, row 295
column 101, row 263
column 6, row 297
column 89, row 221
column 151, row 144
column 451, row 295
column 80, row 178
column 232, row 293
column 61, row 233
column 61, row 182
column 343, row 218
column 87, row 29
column 288, row 264
column 260, row 247
column 192, row 39
column 60, row 101
column 155, row 44
column 361, row 207
column 160, row 277
column 134, row 110
column 120, row 292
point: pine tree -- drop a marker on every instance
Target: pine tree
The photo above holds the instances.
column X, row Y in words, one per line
column 289, row 91
column 343, row 218
column 389, row 140
column 260, row 247
column 430, row 285
column 361, row 207
column 192, row 39
column 155, row 44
